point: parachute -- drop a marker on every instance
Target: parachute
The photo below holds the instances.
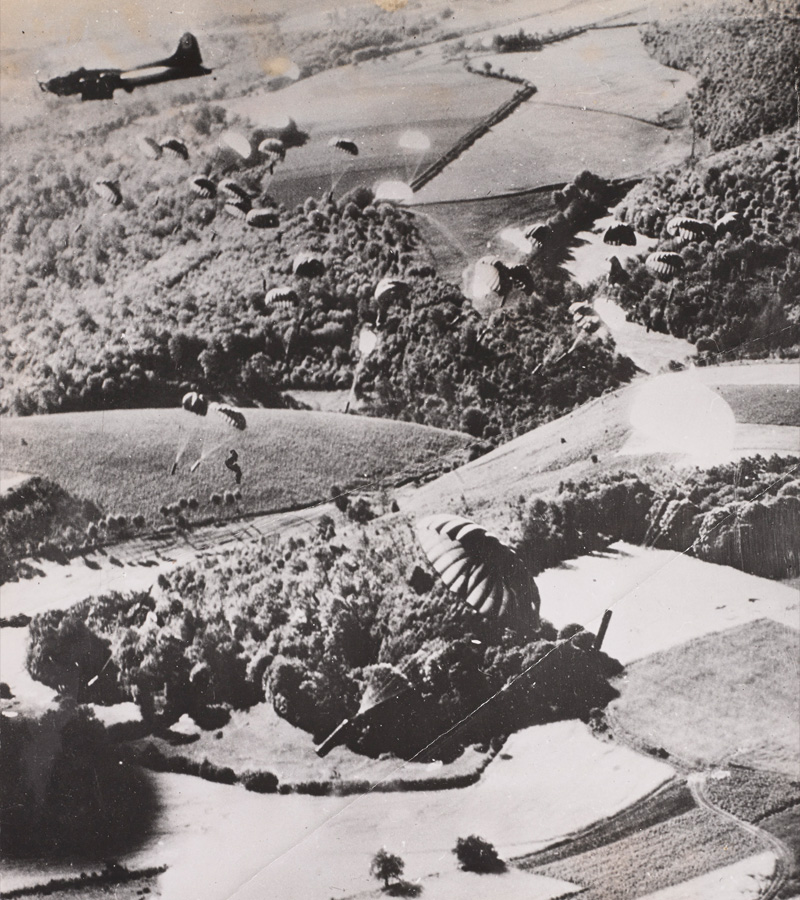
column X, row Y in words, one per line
column 384, row 682
column 538, row 234
column 230, row 416
column 589, row 324
column 150, row 148
column 307, row 265
column 480, row 570
column 580, row 308
column 390, row 290
column 203, row 187
column 281, row 297
column 616, row 274
column 394, row 191
column 232, row 189
column 344, row 144
column 367, row 341
column 664, row 263
column 175, row 147
column 108, row 191
column 619, row 233
column 487, row 278
column 195, row 403
column 521, row 276
column 414, row 141
column 237, row 142
column 726, row 223
column 262, row 218
column 687, row 229
column 238, row 209
column 273, row 148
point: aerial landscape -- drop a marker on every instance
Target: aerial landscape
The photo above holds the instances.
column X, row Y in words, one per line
column 400, row 450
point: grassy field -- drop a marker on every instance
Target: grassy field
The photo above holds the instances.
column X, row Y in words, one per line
column 122, row 459
column 743, row 880
column 786, row 826
column 726, row 696
column 665, row 854
column 763, row 404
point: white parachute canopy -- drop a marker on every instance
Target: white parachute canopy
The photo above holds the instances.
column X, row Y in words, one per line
column 677, row 413
column 396, row 191
column 237, row 142
column 414, row 141
column 367, row 341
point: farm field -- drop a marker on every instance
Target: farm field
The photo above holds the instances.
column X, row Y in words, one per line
column 122, row 459
column 729, row 696
column 745, row 880
column 763, row 404
column 668, row 853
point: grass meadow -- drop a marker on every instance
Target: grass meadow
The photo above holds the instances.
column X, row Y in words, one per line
column 122, row 459
column 763, row 404
column 729, row 696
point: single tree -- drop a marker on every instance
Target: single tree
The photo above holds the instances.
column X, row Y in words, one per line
column 385, row 866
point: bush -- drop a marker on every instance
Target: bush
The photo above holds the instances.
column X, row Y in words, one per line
column 477, row 855
column 260, row 782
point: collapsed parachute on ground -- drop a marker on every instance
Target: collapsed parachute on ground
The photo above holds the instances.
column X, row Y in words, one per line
column 393, row 191
column 237, row 142
column 686, row 228
column 581, row 308
column 665, row 263
column 175, row 147
column 238, row 209
column 262, row 218
column 195, row 403
column 727, row 223
column 588, row 323
column 389, row 291
column 307, row 265
column 616, row 274
column 273, row 148
column 149, row 147
column 108, row 191
column 346, row 145
column 618, row 234
column 282, row 297
column 203, row 187
column 384, row 682
column 230, row 416
column 538, row 234
column 481, row 570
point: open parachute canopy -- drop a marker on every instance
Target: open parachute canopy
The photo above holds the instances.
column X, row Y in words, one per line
column 726, row 223
column 203, row 187
column 346, row 145
column 149, row 147
column 238, row 208
column 262, row 218
column 538, row 234
column 108, row 191
column 195, row 403
column 384, row 682
column 665, row 263
column 283, row 297
column 414, row 141
column 232, row 189
column 618, row 234
column 390, row 290
column 237, row 142
column 230, row 416
column 273, row 148
column 175, row 147
column 308, row 265
column 481, row 570
column 685, row 228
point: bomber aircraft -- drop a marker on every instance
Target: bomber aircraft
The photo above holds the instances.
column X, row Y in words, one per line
column 100, row 84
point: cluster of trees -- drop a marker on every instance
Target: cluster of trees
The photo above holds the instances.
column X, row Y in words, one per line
column 746, row 66
column 739, row 294
column 64, row 791
column 305, row 624
column 38, row 517
column 519, row 42
column 743, row 514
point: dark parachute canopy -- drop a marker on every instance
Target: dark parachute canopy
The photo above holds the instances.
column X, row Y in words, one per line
column 273, row 148
column 726, row 223
column 203, row 187
column 262, row 218
column 108, row 191
column 230, row 416
column 384, row 682
column 686, row 228
column 619, row 233
column 195, row 403
column 521, row 276
column 149, row 147
column 238, row 208
column 232, row 189
column 282, row 297
column 307, row 265
column 664, row 263
column 538, row 234
column 481, row 570
column 616, row 274
column 346, row 145
column 175, row 147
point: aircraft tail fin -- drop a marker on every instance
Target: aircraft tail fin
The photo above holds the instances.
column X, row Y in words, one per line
column 187, row 54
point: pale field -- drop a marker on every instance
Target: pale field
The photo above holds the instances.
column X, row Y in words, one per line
column 745, row 880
